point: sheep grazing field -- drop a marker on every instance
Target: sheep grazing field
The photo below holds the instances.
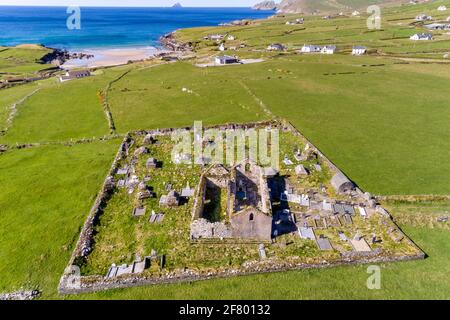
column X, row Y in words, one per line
column 382, row 118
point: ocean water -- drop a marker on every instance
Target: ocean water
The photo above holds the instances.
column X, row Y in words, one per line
column 108, row 27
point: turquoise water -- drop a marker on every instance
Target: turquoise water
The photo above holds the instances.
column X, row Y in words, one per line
column 108, row 27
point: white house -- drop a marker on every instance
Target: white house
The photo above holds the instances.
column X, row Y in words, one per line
column 358, row 50
column 222, row 47
column 231, row 38
column 423, row 17
column 448, row 19
column 355, row 13
column 328, row 49
column 421, row 36
column 310, row 48
column 297, row 21
column 223, row 60
column 442, row 8
column 275, row 47
column 216, row 37
column 71, row 75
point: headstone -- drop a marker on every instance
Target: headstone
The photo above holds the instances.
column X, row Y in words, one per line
column 324, row 244
column 139, row 212
column 307, row 233
column 342, row 236
column 262, row 252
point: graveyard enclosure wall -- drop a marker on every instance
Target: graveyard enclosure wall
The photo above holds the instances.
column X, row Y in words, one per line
column 85, row 242
column 98, row 283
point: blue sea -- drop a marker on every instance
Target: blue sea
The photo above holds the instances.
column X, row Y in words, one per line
column 108, row 27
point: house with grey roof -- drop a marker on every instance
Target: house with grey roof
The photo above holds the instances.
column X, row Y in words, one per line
column 276, row 47
column 421, row 36
column 224, row 60
column 310, row 48
column 423, row 17
column 358, row 50
column 71, row 75
column 330, row 49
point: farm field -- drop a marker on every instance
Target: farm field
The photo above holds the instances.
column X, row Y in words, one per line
column 353, row 99
column 382, row 118
column 21, row 61
column 54, row 187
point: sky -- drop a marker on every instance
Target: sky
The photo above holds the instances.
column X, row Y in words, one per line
column 131, row 3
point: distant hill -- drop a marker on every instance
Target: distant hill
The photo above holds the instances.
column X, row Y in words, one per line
column 266, row 5
column 322, row 6
column 177, row 5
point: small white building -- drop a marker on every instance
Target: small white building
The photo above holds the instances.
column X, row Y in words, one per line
column 216, row 37
column 423, row 17
column 297, row 21
column 355, row 13
column 222, row 47
column 328, row 49
column 71, row 75
column 310, row 48
column 224, row 60
column 275, row 47
column 231, row 38
column 421, row 36
column 358, row 50
column 442, row 8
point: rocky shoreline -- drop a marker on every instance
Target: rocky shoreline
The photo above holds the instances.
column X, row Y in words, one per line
column 59, row 56
column 169, row 42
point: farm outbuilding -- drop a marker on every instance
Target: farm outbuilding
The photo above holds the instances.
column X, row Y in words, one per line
column 226, row 60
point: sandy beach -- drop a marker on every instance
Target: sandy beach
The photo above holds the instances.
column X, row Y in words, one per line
column 111, row 57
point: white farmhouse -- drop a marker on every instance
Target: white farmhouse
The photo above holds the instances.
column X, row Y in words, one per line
column 222, row 47
column 276, row 47
column 442, row 8
column 358, row 50
column 421, row 36
column 223, row 60
column 423, row 17
column 328, row 49
column 71, row 75
column 310, row 48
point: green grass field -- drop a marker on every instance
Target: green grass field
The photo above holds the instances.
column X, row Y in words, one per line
column 46, row 195
column 383, row 121
column 22, row 61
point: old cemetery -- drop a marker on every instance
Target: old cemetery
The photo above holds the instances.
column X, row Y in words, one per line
column 162, row 217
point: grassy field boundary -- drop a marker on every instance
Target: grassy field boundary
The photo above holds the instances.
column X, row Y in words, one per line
column 258, row 100
column 105, row 103
column 14, row 110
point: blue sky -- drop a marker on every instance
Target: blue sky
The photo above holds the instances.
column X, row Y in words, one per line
column 133, row 3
